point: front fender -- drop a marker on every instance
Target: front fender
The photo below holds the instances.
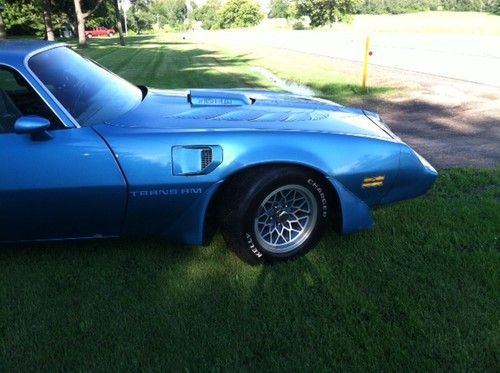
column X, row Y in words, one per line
column 189, row 228
column 356, row 215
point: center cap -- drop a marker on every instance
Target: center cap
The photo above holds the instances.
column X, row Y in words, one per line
column 283, row 216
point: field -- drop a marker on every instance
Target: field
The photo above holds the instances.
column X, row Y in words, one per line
column 420, row 291
column 467, row 23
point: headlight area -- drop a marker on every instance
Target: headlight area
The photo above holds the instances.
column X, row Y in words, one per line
column 416, row 176
column 424, row 162
column 376, row 119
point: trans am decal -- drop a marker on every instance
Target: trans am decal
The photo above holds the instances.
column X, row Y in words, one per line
column 166, row 192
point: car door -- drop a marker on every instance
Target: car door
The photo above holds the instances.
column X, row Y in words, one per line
column 63, row 183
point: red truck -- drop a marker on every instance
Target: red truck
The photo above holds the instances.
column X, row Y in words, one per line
column 99, row 31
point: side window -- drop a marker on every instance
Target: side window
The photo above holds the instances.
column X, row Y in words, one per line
column 17, row 98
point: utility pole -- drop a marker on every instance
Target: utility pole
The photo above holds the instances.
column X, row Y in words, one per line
column 124, row 6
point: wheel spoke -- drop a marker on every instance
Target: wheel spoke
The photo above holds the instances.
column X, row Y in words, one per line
column 286, row 218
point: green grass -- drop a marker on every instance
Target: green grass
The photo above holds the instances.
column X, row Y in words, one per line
column 328, row 79
column 420, row 291
column 169, row 61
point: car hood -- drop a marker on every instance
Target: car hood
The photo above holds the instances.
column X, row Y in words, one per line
column 240, row 109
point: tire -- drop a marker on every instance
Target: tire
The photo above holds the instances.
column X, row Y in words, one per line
column 89, row 36
column 274, row 213
column 110, row 34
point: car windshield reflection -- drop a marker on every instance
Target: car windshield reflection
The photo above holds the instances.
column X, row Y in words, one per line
column 90, row 93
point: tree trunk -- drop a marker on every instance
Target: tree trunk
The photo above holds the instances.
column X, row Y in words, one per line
column 119, row 22
column 3, row 35
column 47, row 17
column 80, row 22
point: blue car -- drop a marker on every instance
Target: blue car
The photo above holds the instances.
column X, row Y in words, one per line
column 85, row 154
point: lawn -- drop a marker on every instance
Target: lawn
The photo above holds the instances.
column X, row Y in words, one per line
column 167, row 61
column 421, row 291
column 176, row 61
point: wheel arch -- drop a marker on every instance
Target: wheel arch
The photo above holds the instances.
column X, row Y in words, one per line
column 211, row 218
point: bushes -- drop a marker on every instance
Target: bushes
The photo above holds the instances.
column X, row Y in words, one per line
column 463, row 5
column 396, row 6
column 298, row 25
column 408, row 6
column 494, row 7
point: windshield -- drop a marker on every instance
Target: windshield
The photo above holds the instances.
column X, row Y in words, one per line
column 87, row 91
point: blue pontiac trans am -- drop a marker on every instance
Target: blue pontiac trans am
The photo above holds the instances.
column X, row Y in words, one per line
column 85, row 154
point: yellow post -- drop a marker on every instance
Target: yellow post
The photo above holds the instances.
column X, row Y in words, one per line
column 365, row 65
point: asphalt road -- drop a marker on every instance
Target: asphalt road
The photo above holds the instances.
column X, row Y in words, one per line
column 471, row 58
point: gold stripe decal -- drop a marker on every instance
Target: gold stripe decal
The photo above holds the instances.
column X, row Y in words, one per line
column 371, row 182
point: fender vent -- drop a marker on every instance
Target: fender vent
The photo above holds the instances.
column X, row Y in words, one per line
column 192, row 160
column 206, row 158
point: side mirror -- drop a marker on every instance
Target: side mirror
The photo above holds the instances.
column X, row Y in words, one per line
column 32, row 124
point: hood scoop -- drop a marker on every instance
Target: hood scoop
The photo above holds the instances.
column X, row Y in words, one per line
column 207, row 97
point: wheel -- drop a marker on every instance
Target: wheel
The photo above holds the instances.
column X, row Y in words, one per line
column 89, row 36
column 274, row 213
column 110, row 34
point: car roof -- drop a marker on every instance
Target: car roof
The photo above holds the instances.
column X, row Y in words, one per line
column 17, row 50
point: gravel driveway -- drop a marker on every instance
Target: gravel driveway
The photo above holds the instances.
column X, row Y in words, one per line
column 448, row 101
column 451, row 122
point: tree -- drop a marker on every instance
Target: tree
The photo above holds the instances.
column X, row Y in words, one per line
column 279, row 9
column 322, row 12
column 240, row 13
column 80, row 20
column 47, row 17
column 141, row 16
column 104, row 15
column 209, row 14
column 23, row 18
column 172, row 12
column 495, row 7
column 119, row 22
column 36, row 17
column 2, row 25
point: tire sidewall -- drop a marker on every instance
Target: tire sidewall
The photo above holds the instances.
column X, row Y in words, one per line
column 320, row 192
